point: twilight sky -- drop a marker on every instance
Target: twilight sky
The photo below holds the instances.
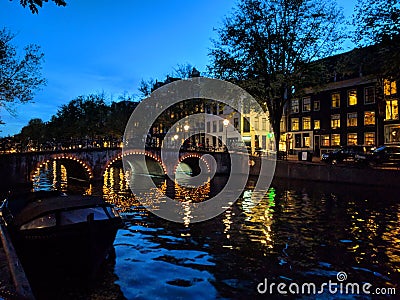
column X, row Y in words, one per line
column 94, row 46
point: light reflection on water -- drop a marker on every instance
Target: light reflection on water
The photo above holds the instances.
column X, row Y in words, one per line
column 300, row 232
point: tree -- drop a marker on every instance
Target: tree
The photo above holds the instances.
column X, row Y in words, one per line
column 19, row 77
column 34, row 133
column 34, row 5
column 118, row 116
column 84, row 116
column 378, row 22
column 146, row 87
column 181, row 71
column 268, row 46
column 185, row 71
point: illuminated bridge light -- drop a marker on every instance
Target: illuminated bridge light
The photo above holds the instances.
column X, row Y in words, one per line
column 41, row 164
column 125, row 154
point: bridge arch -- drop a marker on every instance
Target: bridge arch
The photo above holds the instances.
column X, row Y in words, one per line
column 191, row 157
column 35, row 172
column 129, row 153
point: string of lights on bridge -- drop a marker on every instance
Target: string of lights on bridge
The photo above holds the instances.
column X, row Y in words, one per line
column 89, row 171
column 36, row 172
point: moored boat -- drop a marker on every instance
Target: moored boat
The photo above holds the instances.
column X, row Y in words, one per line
column 60, row 237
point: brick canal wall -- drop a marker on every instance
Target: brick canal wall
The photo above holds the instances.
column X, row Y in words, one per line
column 337, row 174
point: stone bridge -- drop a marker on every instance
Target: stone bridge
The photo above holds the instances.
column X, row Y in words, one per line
column 91, row 164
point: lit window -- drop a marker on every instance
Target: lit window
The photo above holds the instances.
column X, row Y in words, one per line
column 316, row 105
column 352, row 119
column 264, row 124
column 306, row 123
column 317, row 124
column 369, row 95
column 306, row 140
column 335, row 121
column 352, row 139
column 256, row 123
column 352, row 94
column 335, row 139
column 392, row 109
column 295, row 124
column 335, row 100
column 307, row 104
column 295, row 106
column 369, row 118
column 369, row 138
column 392, row 134
column 325, row 141
column 282, row 125
column 389, row 87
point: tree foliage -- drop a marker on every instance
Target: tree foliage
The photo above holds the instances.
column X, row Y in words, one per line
column 378, row 22
column 181, row 71
column 267, row 47
column 84, row 119
column 19, row 77
column 34, row 5
column 35, row 130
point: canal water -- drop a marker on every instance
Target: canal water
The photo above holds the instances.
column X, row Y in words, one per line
column 301, row 232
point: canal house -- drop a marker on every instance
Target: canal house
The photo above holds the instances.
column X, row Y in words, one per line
column 357, row 106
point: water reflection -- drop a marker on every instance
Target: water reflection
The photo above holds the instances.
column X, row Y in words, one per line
column 52, row 175
column 299, row 232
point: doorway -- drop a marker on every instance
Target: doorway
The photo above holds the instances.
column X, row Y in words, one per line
column 317, row 147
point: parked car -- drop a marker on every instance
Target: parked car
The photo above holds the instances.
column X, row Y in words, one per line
column 384, row 155
column 344, row 153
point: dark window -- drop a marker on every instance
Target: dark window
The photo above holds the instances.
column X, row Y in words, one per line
column 297, row 140
column 236, row 123
column 316, row 105
column 369, row 95
column 246, row 125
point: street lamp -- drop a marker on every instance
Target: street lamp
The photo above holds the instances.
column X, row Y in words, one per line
column 186, row 128
column 175, row 138
column 226, row 123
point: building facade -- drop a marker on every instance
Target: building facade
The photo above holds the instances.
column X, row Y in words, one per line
column 361, row 110
column 225, row 126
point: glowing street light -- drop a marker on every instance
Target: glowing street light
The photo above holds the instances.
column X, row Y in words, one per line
column 186, row 128
column 226, row 123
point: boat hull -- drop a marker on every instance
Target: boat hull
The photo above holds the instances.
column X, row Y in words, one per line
column 71, row 255
column 60, row 240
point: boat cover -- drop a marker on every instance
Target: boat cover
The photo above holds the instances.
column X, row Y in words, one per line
column 45, row 203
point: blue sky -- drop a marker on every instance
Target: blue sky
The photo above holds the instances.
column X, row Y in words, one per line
column 103, row 45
